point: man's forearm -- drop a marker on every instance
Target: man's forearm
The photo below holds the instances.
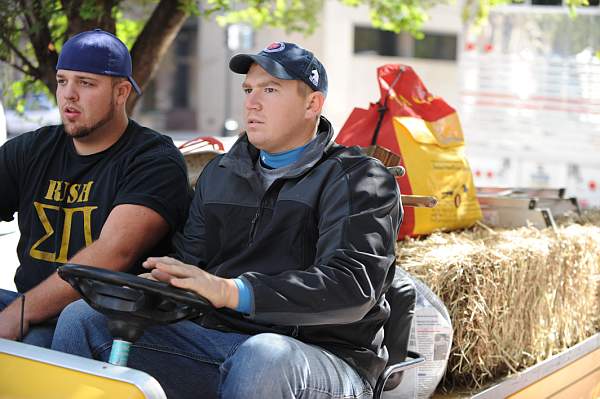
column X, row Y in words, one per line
column 47, row 299
column 128, row 233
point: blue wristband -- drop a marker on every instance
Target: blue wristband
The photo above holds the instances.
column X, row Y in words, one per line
column 244, row 295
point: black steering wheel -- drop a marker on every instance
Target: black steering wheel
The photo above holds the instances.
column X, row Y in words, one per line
column 132, row 303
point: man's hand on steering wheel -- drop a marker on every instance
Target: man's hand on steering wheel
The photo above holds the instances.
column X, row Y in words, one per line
column 220, row 292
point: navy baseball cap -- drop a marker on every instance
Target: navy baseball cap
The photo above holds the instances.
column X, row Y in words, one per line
column 285, row 61
column 97, row 51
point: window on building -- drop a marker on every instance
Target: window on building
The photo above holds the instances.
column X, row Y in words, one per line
column 537, row 2
column 185, row 43
column 546, row 2
column 374, row 41
column 182, row 108
column 591, row 3
column 436, row 46
column 181, row 86
column 439, row 46
column 149, row 97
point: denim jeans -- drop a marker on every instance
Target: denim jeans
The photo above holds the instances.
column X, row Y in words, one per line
column 39, row 334
column 190, row 361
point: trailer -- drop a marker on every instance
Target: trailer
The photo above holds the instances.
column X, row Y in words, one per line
column 573, row 373
column 28, row 372
column 530, row 99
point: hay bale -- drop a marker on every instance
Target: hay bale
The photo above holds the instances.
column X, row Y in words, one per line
column 587, row 216
column 515, row 296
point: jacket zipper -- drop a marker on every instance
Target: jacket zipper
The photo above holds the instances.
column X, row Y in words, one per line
column 253, row 225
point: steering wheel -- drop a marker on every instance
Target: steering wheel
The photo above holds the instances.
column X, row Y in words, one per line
column 132, row 303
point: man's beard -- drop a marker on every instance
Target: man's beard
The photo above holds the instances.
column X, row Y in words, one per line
column 85, row 131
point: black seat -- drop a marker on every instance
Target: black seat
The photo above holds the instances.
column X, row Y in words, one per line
column 401, row 296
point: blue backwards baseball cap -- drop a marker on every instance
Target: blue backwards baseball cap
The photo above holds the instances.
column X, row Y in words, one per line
column 285, row 61
column 97, row 51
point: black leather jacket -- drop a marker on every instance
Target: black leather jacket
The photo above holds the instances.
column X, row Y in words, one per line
column 317, row 248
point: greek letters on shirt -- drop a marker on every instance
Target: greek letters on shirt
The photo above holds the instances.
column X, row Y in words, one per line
column 67, row 199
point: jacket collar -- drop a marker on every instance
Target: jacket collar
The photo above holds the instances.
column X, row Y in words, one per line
column 242, row 156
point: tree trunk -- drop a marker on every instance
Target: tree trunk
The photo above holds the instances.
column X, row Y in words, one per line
column 42, row 43
column 77, row 24
column 150, row 46
column 41, row 38
column 153, row 42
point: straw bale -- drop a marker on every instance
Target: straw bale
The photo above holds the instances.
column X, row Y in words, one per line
column 515, row 296
column 587, row 216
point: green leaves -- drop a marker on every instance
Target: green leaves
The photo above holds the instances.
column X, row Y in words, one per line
column 401, row 16
column 573, row 4
column 475, row 12
column 289, row 15
column 20, row 19
column 302, row 16
column 90, row 10
column 128, row 29
column 14, row 97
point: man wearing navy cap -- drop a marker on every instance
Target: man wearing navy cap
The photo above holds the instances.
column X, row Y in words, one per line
column 98, row 189
column 292, row 238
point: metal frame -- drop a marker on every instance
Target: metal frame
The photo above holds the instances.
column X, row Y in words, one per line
column 415, row 360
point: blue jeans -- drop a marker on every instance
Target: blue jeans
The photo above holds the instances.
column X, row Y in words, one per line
column 39, row 334
column 191, row 361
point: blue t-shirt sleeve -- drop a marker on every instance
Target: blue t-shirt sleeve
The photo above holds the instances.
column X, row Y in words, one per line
column 245, row 296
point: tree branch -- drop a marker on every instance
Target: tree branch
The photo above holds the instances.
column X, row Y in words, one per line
column 103, row 20
column 33, row 71
column 153, row 42
column 26, row 20
column 17, row 67
column 43, row 45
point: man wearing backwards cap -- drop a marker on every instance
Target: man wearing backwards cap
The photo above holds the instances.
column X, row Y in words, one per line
column 292, row 238
column 97, row 190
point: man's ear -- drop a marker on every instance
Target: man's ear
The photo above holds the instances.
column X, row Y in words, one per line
column 314, row 104
column 123, row 89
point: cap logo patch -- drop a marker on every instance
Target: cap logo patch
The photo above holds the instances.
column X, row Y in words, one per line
column 314, row 77
column 274, row 47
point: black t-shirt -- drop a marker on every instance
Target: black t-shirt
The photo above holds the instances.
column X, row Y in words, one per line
column 63, row 199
